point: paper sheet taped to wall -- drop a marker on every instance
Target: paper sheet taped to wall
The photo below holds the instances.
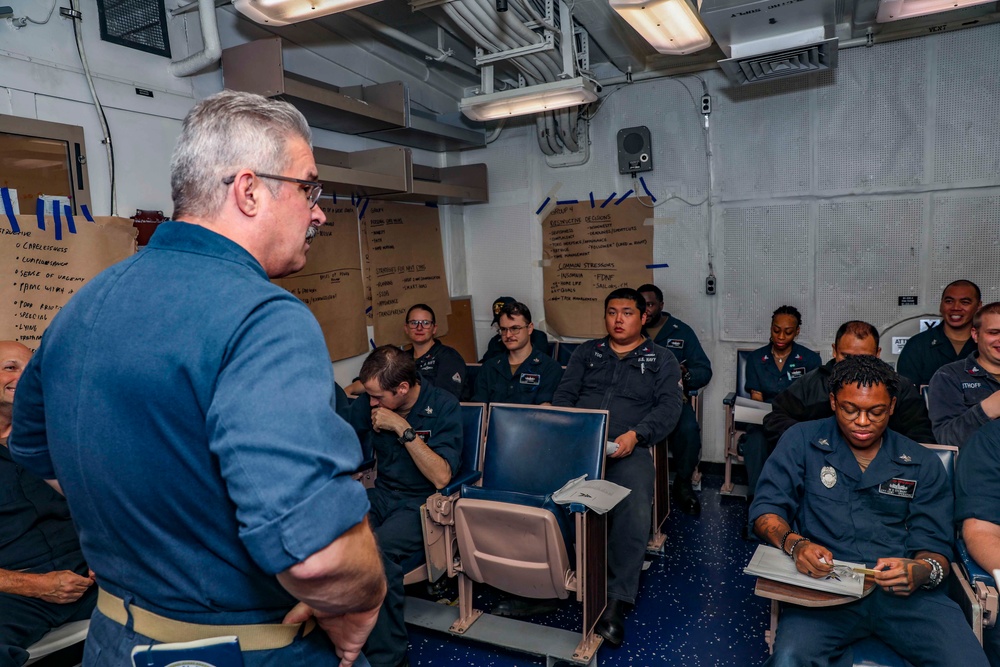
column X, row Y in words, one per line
column 588, row 252
column 45, row 268
column 331, row 285
column 406, row 267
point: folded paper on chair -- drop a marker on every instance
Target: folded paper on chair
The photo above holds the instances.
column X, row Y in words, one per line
column 212, row 652
column 597, row 494
column 771, row 563
column 750, row 411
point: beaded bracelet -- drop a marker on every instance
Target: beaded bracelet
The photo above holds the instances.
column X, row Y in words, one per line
column 937, row 573
column 791, row 551
column 783, row 538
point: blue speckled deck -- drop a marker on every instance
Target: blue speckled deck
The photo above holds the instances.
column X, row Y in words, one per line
column 695, row 608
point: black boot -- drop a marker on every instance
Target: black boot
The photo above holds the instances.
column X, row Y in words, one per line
column 684, row 496
column 611, row 625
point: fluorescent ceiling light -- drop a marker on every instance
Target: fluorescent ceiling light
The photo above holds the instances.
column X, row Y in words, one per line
column 896, row 10
column 530, row 99
column 670, row 26
column 283, row 12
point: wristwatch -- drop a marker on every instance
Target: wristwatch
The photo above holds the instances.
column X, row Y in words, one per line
column 409, row 435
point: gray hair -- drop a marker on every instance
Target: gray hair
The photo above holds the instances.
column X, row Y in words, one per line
column 224, row 133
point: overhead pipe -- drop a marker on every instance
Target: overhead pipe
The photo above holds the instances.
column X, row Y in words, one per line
column 212, row 51
column 399, row 36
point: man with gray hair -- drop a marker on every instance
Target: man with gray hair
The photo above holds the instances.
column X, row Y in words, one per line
column 183, row 403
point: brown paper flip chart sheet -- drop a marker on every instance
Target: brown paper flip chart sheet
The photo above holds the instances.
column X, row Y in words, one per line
column 43, row 269
column 365, row 268
column 331, row 285
column 406, row 266
column 588, row 252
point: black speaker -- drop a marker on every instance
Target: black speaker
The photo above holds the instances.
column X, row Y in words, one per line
column 634, row 152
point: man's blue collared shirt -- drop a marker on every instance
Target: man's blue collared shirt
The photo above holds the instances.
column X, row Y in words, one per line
column 183, row 401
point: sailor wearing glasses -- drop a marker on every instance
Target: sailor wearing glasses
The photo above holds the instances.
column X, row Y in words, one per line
column 848, row 488
column 438, row 364
column 524, row 375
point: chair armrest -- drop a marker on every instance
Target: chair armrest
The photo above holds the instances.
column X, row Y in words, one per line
column 455, row 485
column 578, row 508
column 973, row 572
column 730, row 398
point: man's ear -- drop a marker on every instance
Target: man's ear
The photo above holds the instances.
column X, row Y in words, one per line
column 247, row 190
column 833, row 403
column 892, row 406
column 403, row 389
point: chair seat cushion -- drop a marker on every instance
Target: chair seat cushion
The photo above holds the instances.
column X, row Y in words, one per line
column 567, row 526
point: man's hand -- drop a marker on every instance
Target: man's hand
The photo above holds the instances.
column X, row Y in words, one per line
column 348, row 632
column 61, row 586
column 813, row 559
column 384, row 419
column 991, row 405
column 626, row 443
column 901, row 576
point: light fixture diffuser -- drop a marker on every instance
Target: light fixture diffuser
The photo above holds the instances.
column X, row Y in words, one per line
column 284, row 12
column 671, row 27
column 530, row 99
column 897, row 10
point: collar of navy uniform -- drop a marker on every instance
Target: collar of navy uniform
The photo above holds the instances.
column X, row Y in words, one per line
column 890, row 462
column 827, row 438
column 188, row 237
column 420, row 407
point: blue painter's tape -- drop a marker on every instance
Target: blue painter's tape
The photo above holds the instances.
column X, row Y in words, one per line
column 564, row 202
column 364, row 207
column 592, row 203
column 40, row 213
column 371, row 341
column 657, row 266
column 608, row 200
column 544, row 204
column 623, row 197
column 368, row 310
column 86, row 212
column 334, row 197
column 642, row 182
column 70, row 224
column 8, row 209
column 431, row 204
column 57, row 221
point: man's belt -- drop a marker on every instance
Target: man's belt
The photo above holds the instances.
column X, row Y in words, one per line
column 259, row 637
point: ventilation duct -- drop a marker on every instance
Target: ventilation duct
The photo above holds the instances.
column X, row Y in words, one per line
column 802, row 60
column 769, row 39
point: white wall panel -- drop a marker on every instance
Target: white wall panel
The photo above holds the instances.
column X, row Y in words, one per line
column 767, row 255
column 763, row 139
column 966, row 243
column 870, row 126
column 966, row 90
column 868, row 254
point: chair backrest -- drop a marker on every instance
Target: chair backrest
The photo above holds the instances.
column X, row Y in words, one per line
column 553, row 349
column 947, row 454
column 473, row 428
column 741, row 372
column 565, row 351
column 537, row 449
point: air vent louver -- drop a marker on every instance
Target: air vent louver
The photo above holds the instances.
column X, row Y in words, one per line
column 790, row 62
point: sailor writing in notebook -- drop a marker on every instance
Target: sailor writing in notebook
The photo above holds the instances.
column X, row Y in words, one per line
column 848, row 488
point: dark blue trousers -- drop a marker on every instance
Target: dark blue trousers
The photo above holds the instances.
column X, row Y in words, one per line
column 927, row 628
column 685, row 443
column 991, row 643
column 23, row 620
column 629, row 522
column 395, row 520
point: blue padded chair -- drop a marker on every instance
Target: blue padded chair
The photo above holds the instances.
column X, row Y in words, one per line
column 509, row 533
column 434, row 561
column 733, row 429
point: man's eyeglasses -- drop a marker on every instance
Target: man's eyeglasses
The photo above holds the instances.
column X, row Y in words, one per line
column 875, row 415
column 420, row 324
column 313, row 189
column 516, row 329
